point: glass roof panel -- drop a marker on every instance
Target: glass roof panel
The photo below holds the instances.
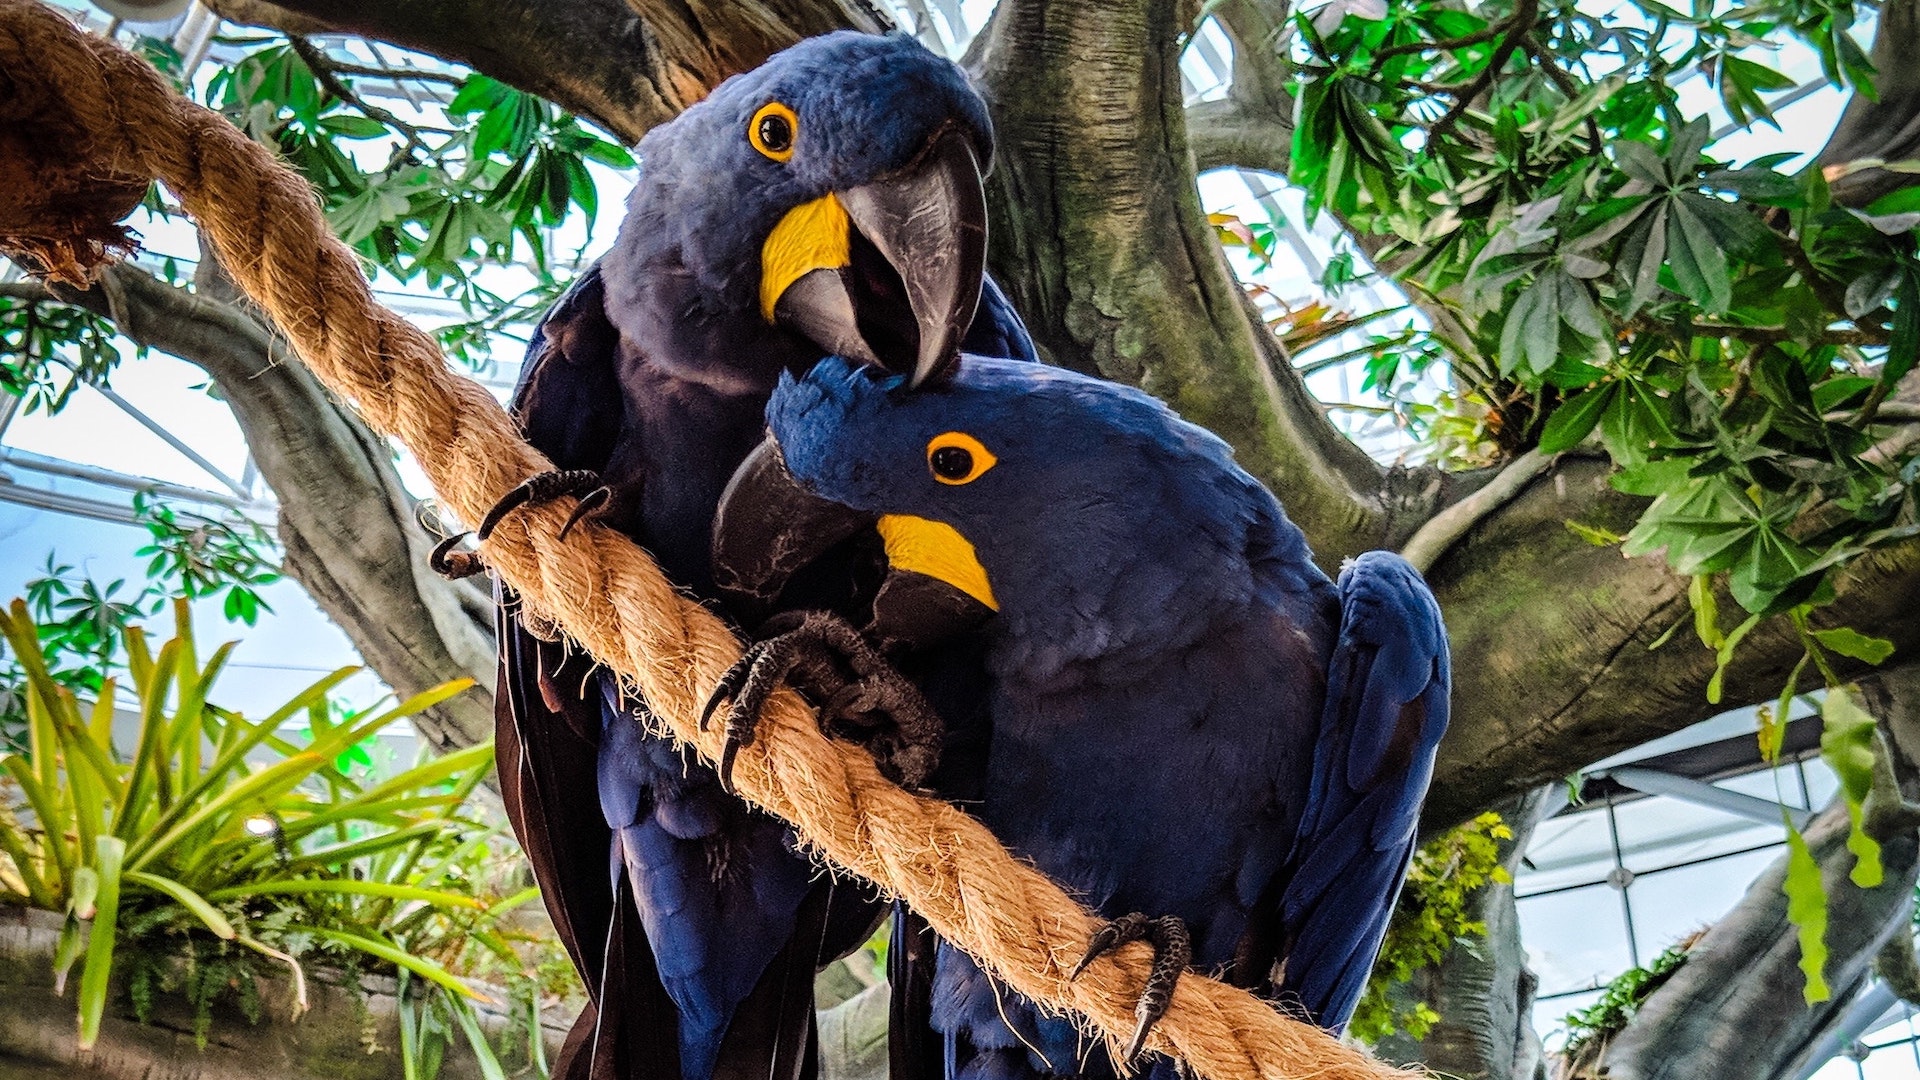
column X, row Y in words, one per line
column 1575, row 939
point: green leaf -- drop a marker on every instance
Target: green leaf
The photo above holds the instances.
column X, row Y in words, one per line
column 1575, row 419
column 1725, row 656
column 1807, row 911
column 186, row 898
column 1849, row 642
column 1699, row 266
column 1598, row 537
column 1847, row 745
column 385, row 950
column 1642, row 255
column 109, row 852
column 1846, row 742
column 1706, row 611
column 348, row 126
column 1651, row 478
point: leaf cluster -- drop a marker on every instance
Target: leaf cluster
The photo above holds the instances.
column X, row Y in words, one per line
column 49, row 350
column 216, row 831
column 1589, row 1029
column 1727, row 333
column 1433, row 917
column 81, row 622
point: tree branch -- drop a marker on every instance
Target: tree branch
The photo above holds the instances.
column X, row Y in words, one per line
column 1441, row 530
column 627, row 67
column 324, row 72
column 346, row 524
column 1100, row 237
column 1735, row 1008
column 1512, row 34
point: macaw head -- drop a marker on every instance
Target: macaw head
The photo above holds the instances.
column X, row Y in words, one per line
column 830, row 198
column 1085, row 513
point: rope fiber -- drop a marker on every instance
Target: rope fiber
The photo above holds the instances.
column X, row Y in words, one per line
column 80, row 118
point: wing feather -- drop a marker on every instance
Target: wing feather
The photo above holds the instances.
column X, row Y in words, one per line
column 1386, row 708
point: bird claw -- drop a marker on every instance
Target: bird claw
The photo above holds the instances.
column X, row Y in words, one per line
column 814, row 650
column 454, row 565
column 1172, row 951
column 541, row 488
column 590, row 502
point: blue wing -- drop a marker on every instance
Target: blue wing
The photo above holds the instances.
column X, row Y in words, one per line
column 1386, row 708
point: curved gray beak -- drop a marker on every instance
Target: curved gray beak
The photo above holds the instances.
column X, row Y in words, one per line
column 912, row 281
column 768, row 527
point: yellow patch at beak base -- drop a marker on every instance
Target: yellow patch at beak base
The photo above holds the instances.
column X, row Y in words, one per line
column 813, row 236
column 938, row 551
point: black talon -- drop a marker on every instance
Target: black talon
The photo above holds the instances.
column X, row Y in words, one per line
column 591, row 501
column 813, row 651
column 727, row 754
column 1172, row 951
column 537, row 489
column 454, row 565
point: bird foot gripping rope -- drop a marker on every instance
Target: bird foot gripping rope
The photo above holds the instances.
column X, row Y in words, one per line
column 84, row 125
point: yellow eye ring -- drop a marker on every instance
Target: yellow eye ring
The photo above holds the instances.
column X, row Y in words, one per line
column 774, row 131
column 958, row 458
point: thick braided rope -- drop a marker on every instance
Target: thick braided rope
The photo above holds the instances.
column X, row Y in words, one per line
column 606, row 593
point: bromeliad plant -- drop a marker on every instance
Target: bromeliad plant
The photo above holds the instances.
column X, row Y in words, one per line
column 212, row 824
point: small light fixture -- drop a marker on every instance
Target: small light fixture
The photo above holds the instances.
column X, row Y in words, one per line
column 262, row 826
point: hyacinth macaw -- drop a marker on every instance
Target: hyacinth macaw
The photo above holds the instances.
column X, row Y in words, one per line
column 828, row 201
column 1193, row 729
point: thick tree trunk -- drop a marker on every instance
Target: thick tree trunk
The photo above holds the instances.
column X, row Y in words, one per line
column 347, row 525
column 1484, row 994
column 1100, row 238
column 1735, row 1007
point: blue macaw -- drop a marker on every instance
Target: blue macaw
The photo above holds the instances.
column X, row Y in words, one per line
column 1193, row 729
column 828, row 201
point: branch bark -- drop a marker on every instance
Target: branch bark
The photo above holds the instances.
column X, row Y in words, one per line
column 1252, row 127
column 348, row 527
column 1101, row 240
column 627, row 66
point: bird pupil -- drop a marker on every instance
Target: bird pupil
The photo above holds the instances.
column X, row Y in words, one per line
column 775, row 133
column 952, row 462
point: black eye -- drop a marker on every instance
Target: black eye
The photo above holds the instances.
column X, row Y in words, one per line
column 776, row 133
column 951, row 462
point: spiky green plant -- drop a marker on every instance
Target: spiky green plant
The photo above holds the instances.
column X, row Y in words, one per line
column 215, row 823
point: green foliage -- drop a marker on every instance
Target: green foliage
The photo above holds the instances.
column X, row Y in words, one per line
column 1726, row 331
column 1432, row 919
column 1589, row 1029
column 446, row 198
column 81, row 622
column 214, row 831
column 198, row 556
column 48, row 350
